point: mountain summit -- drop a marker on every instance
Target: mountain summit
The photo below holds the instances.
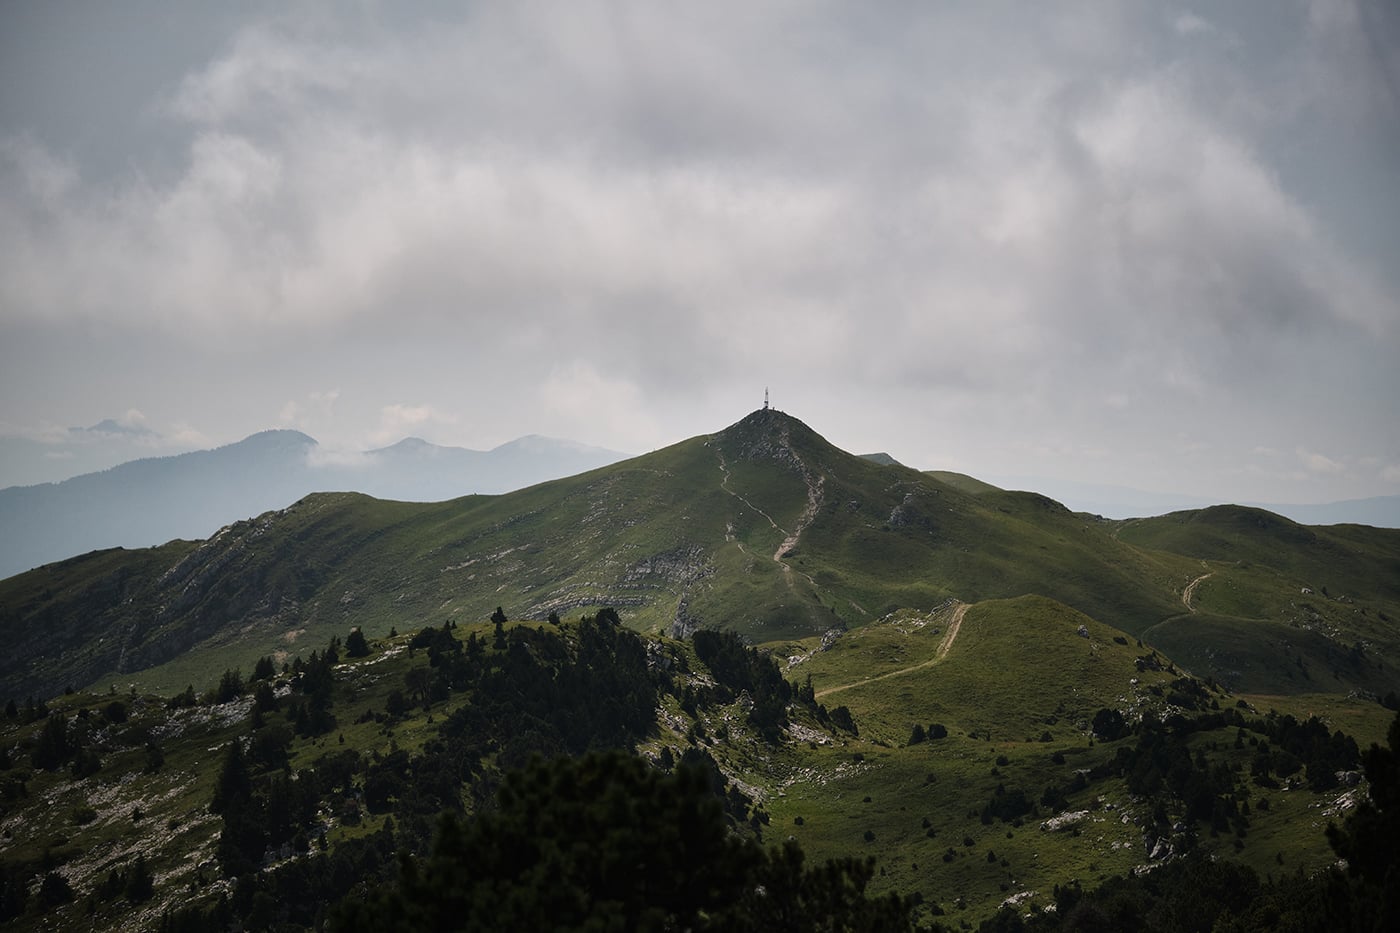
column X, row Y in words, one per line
column 768, row 433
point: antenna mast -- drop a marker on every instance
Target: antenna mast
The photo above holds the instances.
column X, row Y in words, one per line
column 765, row 398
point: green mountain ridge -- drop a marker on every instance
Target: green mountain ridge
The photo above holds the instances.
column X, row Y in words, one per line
column 763, row 528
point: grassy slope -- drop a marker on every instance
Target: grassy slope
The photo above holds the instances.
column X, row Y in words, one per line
column 64, row 623
column 962, row 482
column 1017, row 669
column 689, row 532
column 1286, row 608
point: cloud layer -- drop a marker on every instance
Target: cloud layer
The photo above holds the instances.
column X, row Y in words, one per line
column 1049, row 232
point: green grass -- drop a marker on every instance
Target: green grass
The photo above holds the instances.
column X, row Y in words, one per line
column 1017, row 669
column 841, row 793
column 962, row 482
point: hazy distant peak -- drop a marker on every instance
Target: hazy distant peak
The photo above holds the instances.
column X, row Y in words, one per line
column 283, row 438
column 539, row 443
column 407, row 445
column 112, row 426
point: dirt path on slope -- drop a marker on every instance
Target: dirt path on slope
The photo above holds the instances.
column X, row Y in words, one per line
column 790, row 539
column 1190, row 591
column 1131, row 521
column 954, row 626
column 724, row 485
column 814, row 501
column 944, row 646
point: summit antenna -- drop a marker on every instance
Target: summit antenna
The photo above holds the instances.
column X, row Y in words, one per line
column 765, row 398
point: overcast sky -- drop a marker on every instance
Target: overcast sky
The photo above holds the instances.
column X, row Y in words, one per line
column 1138, row 243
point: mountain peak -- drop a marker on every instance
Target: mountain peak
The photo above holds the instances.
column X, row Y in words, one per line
column 277, row 437
column 763, row 420
column 409, row 445
column 769, row 434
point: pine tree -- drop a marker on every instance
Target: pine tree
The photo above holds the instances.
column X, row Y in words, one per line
column 235, row 787
column 355, row 644
column 52, row 749
column 140, row 884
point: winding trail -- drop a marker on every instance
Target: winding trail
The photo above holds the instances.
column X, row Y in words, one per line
column 724, row 484
column 944, row 646
column 1190, row 590
column 809, row 512
column 1131, row 521
column 954, row 626
column 814, row 501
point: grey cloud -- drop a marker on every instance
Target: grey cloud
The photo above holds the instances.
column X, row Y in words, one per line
column 1073, row 205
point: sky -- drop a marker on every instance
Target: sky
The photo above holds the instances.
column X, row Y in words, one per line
column 1138, row 243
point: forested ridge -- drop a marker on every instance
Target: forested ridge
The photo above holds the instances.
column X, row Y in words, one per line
column 497, row 780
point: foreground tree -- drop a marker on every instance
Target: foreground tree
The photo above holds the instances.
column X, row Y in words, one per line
column 607, row 842
column 1367, row 840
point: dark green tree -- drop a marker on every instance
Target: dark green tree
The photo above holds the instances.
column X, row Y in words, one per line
column 265, row 699
column 155, row 758
column 419, row 681
column 1109, row 725
column 235, row 786
column 264, row 669
column 1367, row 839
column 140, row 884
column 52, row 749
column 230, row 687
column 607, row 842
column 355, row 644
column 54, row 891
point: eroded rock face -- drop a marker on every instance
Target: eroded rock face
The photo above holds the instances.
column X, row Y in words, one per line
column 683, row 565
column 770, row 435
column 684, row 624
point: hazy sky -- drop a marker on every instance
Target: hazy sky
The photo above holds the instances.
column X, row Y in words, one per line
column 1141, row 243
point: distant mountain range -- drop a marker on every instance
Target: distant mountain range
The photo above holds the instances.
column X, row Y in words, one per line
column 148, row 502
